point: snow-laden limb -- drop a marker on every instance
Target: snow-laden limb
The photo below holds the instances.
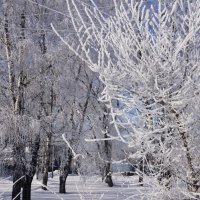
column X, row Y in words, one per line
column 102, row 139
column 75, row 155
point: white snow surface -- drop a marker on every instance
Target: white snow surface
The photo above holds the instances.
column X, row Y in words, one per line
column 90, row 188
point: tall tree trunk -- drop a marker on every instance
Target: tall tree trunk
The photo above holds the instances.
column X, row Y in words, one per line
column 27, row 181
column 49, row 111
column 17, row 102
column 16, row 190
column 48, row 150
column 108, row 177
column 62, row 179
column 18, row 172
column 26, row 194
column 64, row 171
column 107, row 149
column 107, row 171
column 141, row 172
column 46, row 162
column 192, row 178
column 45, row 178
column 11, row 74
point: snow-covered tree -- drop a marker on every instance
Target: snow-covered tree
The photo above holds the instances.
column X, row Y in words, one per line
column 147, row 57
column 28, row 102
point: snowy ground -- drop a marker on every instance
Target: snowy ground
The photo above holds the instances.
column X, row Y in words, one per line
column 90, row 188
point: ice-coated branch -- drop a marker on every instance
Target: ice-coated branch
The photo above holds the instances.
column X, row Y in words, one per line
column 68, row 144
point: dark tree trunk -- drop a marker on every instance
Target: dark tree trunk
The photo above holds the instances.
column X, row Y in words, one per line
column 46, row 162
column 141, row 171
column 45, row 179
column 63, row 178
column 18, row 170
column 37, row 172
column 26, row 194
column 27, row 181
column 17, row 186
column 106, row 175
column 108, row 178
column 64, row 171
column 107, row 151
column 17, row 93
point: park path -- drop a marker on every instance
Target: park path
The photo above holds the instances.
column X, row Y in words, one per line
column 84, row 188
